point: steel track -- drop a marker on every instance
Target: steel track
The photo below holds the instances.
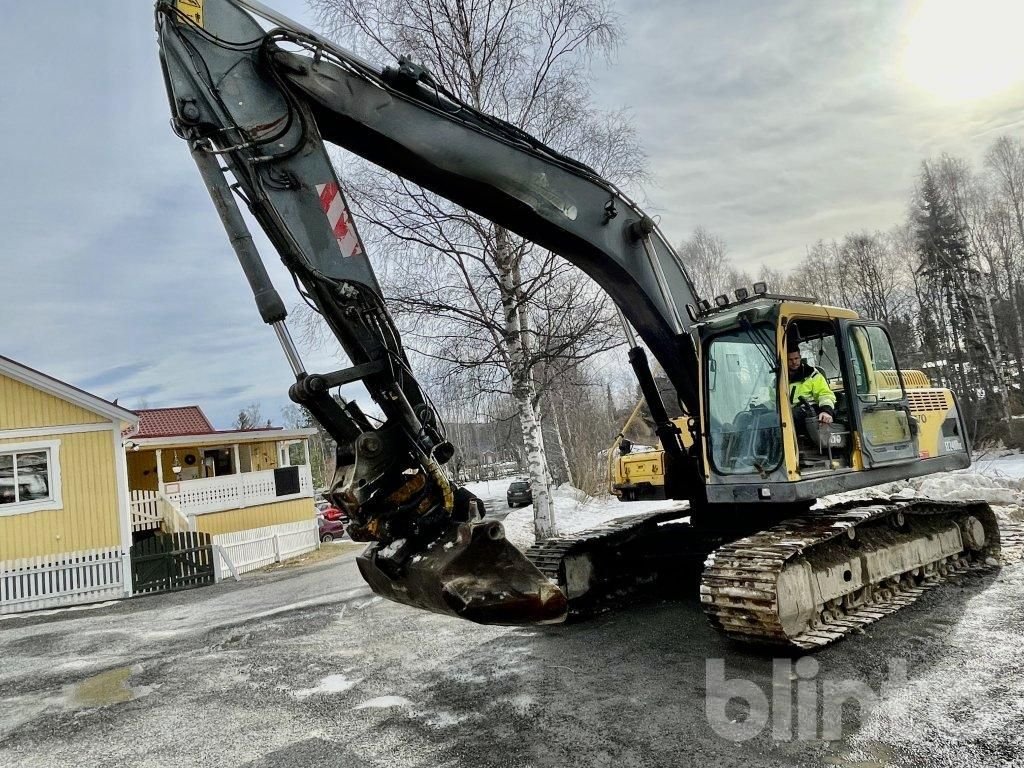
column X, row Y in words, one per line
column 739, row 587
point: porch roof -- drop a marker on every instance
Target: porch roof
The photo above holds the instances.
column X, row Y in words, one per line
column 164, row 422
column 225, row 437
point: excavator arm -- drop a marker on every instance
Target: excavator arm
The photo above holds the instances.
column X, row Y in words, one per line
column 255, row 107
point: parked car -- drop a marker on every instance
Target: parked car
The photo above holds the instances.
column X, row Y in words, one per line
column 331, row 512
column 519, row 492
column 330, row 529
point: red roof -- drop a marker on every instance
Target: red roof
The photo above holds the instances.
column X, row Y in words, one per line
column 170, row 422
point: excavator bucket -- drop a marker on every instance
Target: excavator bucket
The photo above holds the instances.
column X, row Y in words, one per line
column 471, row 572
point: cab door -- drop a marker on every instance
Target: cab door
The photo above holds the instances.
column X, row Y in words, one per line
column 878, row 400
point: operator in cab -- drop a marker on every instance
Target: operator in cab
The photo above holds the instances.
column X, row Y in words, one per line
column 809, row 388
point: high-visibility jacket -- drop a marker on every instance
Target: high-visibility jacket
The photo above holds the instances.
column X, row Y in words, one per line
column 808, row 383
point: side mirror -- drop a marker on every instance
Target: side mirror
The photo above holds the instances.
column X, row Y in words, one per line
column 712, row 373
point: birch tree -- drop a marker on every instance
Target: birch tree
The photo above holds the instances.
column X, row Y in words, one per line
column 468, row 291
column 1005, row 226
column 968, row 202
column 815, row 276
column 707, row 261
column 870, row 277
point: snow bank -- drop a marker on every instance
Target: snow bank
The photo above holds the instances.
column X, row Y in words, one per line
column 970, row 485
column 947, row 486
column 996, row 479
column 576, row 511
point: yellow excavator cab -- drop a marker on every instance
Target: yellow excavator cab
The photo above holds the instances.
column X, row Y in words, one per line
column 886, row 421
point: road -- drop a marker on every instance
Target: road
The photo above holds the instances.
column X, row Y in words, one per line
column 303, row 666
column 498, row 510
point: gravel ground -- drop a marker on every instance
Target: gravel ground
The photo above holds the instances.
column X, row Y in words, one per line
column 304, row 666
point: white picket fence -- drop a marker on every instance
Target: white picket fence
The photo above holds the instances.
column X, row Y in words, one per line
column 258, row 547
column 30, row 584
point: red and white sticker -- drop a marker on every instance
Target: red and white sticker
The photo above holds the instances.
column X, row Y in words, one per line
column 337, row 216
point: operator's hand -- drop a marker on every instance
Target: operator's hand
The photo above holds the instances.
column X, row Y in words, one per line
column 824, row 418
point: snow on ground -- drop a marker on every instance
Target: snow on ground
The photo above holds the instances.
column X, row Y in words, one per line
column 574, row 509
column 1008, row 464
column 996, row 478
column 383, row 702
column 329, row 684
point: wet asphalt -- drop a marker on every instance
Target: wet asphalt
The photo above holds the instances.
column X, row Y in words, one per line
column 304, row 667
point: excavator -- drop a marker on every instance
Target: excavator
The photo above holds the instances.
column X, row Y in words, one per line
column 635, row 465
column 255, row 96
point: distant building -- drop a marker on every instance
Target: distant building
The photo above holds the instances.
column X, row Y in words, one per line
column 86, row 486
column 236, row 485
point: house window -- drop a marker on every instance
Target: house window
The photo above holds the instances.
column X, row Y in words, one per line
column 245, row 458
column 29, row 477
column 296, row 454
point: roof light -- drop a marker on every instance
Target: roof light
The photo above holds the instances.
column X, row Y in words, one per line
column 760, row 287
column 705, row 305
column 741, row 294
column 722, row 300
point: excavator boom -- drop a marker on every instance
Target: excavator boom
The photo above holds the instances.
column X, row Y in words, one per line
column 300, row 86
column 256, row 137
column 255, row 107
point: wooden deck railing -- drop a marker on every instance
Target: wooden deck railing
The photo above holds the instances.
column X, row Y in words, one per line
column 151, row 510
column 219, row 494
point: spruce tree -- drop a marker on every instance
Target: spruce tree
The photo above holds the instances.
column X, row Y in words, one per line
column 954, row 327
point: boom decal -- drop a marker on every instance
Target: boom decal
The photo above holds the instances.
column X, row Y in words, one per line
column 332, row 202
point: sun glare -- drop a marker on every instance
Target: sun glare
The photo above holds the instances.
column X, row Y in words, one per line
column 965, row 49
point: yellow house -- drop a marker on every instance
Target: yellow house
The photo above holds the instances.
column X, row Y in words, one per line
column 65, row 530
column 251, row 490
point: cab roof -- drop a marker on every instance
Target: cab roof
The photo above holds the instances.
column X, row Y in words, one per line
column 786, row 306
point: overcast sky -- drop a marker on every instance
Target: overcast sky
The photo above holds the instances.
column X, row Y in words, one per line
column 772, row 124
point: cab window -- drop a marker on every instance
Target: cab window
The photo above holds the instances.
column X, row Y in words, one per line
column 821, row 353
column 874, row 365
column 744, row 430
